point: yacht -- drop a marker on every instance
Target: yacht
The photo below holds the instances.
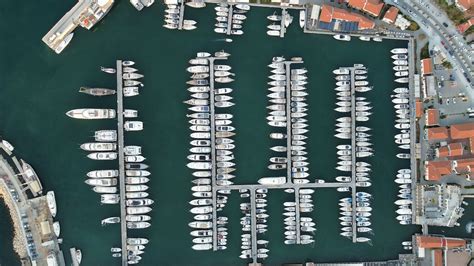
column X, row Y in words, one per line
column 364, row 38
column 99, row 146
column 110, row 220
column 109, row 198
column 103, row 173
column 133, row 125
column 102, row 182
column 138, row 225
column 399, row 51
column 302, row 18
column 102, row 155
column 132, row 150
column 97, row 91
column 91, row 113
column 132, row 75
column 136, row 195
column 130, row 91
column 107, row 190
column 134, row 159
column 130, row 113
column 342, row 37
column 51, row 200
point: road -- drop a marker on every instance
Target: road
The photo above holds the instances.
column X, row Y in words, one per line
column 431, row 20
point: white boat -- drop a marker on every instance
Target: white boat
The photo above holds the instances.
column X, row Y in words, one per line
column 99, row 146
column 401, row 80
column 136, row 188
column 107, row 190
column 202, row 247
column 132, row 75
column 364, row 38
column 302, row 18
column 102, row 182
column 51, row 200
column 274, row 17
column 102, row 156
column 130, row 113
column 342, row 37
column 64, row 43
column 102, row 173
column 273, row 33
column 133, row 125
column 91, row 113
column 8, row 145
column 272, row 180
column 130, row 91
column 110, row 220
column 399, row 51
column 400, row 62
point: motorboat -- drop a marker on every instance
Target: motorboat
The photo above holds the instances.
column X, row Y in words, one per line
column 91, row 113
column 103, row 173
column 106, row 190
column 97, row 91
column 102, row 182
column 342, row 37
column 102, row 155
column 399, row 51
column 99, row 146
column 51, row 201
column 133, row 125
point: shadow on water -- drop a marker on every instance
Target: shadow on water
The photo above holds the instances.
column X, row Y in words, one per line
column 7, row 254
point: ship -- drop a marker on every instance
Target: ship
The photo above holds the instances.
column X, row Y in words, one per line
column 97, row 91
column 64, row 43
column 51, row 200
column 91, row 113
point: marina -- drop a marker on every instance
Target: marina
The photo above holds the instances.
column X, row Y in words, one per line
column 251, row 159
column 110, row 146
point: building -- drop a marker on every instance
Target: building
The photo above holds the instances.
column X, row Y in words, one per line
column 439, row 205
column 464, row 5
column 371, row 7
column 429, row 87
column 333, row 18
column 434, row 170
column 426, row 66
column 462, row 131
column 432, row 117
column 436, row 134
column 466, row 25
column 402, row 22
column 391, row 15
column 440, row 250
column 86, row 13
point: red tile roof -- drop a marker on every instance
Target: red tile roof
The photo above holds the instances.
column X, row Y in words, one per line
column 442, row 152
column 434, row 170
column 466, row 4
column 419, row 109
column 439, row 242
column 432, row 117
column 438, row 257
column 456, row 149
column 466, row 25
column 426, row 66
column 437, row 133
column 328, row 13
column 391, row 15
column 373, row 7
column 462, row 131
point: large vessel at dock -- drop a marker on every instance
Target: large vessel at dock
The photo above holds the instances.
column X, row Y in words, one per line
column 97, row 91
column 51, row 200
column 91, row 113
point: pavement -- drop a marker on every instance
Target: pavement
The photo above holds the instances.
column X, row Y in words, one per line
column 430, row 19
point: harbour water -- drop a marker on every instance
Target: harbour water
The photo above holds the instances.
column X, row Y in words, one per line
column 39, row 87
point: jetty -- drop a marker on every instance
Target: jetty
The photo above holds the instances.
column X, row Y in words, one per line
column 353, row 157
column 121, row 159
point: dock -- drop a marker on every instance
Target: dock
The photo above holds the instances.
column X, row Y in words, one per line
column 121, row 159
column 213, row 149
column 353, row 157
column 181, row 15
column 284, row 13
column 288, row 122
column 413, row 137
column 253, row 225
column 229, row 20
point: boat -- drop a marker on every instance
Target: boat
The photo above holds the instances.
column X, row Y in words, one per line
column 302, row 18
column 102, row 182
column 138, row 225
column 400, row 68
column 97, row 91
column 399, row 51
column 342, row 37
column 129, row 82
column 403, row 155
column 134, row 159
column 272, row 180
column 103, row 173
column 400, row 62
column 364, row 38
column 132, row 75
column 7, row 145
column 64, row 43
column 91, row 113
column 110, row 220
column 51, row 200
column 274, row 17
column 133, row 125
column 402, row 80
column 107, row 190
column 102, row 156
column 273, row 33
column 99, row 146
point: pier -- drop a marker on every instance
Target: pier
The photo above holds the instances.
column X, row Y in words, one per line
column 284, row 13
column 213, row 149
column 181, row 15
column 253, row 225
column 229, row 20
column 413, row 137
column 353, row 157
column 121, row 159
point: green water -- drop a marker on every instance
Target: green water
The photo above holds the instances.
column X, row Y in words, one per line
column 38, row 86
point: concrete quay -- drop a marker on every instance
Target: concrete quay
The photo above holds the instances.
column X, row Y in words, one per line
column 353, row 157
column 121, row 159
column 34, row 238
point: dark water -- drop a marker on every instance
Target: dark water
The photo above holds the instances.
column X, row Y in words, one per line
column 39, row 86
